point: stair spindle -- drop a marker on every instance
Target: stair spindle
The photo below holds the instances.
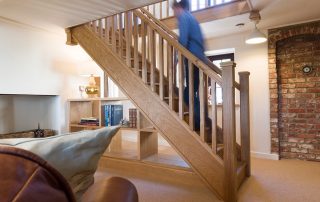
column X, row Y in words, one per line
column 107, row 30
column 170, row 75
column 152, row 59
column 94, row 26
column 148, row 28
column 144, row 53
column 190, row 5
column 120, row 38
column 113, row 37
column 136, row 44
column 161, row 9
column 168, row 6
column 214, row 115
column 203, row 99
column 128, row 29
column 214, row 2
column 161, row 68
column 181, row 85
column 206, row 3
column 191, row 95
column 100, row 28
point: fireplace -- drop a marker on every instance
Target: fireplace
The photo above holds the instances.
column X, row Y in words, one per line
column 21, row 114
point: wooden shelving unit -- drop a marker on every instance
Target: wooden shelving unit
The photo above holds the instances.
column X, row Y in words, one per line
column 91, row 107
column 146, row 135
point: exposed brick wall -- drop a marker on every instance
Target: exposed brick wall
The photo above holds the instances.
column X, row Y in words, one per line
column 294, row 96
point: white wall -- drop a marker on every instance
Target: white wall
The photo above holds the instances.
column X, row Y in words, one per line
column 37, row 62
column 252, row 58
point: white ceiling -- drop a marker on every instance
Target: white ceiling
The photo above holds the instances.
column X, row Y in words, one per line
column 274, row 13
column 55, row 15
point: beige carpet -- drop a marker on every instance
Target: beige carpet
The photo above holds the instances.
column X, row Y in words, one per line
column 159, row 189
column 271, row 181
column 282, row 181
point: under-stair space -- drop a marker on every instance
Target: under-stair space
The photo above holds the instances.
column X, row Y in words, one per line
column 144, row 58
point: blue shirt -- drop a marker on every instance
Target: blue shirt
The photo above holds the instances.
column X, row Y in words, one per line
column 190, row 34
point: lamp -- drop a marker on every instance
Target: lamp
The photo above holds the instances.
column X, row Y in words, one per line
column 256, row 37
column 92, row 89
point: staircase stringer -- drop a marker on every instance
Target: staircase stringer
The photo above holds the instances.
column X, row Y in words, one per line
column 206, row 164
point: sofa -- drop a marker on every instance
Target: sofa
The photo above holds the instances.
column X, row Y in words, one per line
column 66, row 174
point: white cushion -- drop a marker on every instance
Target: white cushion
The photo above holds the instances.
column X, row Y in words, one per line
column 74, row 155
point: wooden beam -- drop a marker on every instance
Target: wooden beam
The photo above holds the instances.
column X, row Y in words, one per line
column 70, row 40
column 213, row 13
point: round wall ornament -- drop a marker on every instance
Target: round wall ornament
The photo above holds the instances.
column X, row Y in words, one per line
column 307, row 69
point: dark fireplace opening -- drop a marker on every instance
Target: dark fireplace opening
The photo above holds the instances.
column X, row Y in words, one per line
column 28, row 116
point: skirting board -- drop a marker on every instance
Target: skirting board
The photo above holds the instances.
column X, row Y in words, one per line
column 265, row 155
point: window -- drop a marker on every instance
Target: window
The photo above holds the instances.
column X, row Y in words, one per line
column 202, row 3
column 217, row 60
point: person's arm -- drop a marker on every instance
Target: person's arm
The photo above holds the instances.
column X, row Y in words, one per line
column 183, row 30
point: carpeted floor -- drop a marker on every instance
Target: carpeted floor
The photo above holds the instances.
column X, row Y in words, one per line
column 282, row 181
column 271, row 181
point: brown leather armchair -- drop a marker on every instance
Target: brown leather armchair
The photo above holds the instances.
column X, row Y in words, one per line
column 25, row 177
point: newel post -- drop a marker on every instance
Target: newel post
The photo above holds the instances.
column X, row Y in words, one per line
column 229, row 131
column 245, row 120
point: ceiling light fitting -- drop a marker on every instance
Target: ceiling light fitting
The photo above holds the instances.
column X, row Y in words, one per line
column 256, row 37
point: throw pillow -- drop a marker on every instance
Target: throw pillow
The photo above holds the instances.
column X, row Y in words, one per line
column 74, row 155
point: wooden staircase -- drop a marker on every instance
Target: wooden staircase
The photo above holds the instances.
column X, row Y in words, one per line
column 145, row 59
